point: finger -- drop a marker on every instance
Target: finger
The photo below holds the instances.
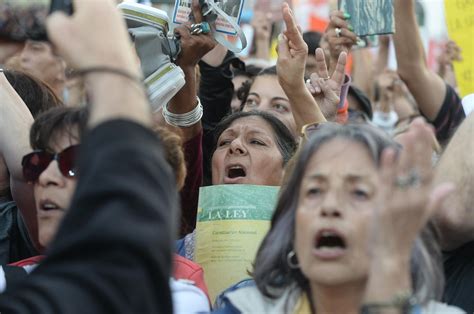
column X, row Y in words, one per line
column 405, row 162
column 339, row 73
column 310, row 87
column 345, row 42
column 196, row 9
column 314, row 77
column 292, row 31
column 387, row 169
column 321, row 67
column 58, row 21
column 337, row 21
column 348, row 34
column 423, row 149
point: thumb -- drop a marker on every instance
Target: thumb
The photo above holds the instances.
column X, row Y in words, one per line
column 58, row 27
column 438, row 196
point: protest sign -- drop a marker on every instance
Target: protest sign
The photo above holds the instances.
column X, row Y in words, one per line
column 460, row 22
column 370, row 17
column 231, row 223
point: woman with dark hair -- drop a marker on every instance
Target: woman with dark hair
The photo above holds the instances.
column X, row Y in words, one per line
column 335, row 244
column 249, row 148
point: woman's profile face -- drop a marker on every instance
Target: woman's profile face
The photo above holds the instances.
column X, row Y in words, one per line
column 53, row 192
column 336, row 201
column 266, row 94
column 247, row 153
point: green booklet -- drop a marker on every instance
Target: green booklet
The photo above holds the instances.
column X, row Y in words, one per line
column 231, row 223
column 370, row 17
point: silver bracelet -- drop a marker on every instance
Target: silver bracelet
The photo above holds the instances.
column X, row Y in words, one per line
column 183, row 120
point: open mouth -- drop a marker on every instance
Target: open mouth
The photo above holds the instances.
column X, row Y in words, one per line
column 48, row 205
column 329, row 244
column 236, row 171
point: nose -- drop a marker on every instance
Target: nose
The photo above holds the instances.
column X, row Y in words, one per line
column 51, row 175
column 237, row 148
column 330, row 207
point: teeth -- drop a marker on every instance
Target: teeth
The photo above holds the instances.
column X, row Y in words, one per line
column 49, row 206
column 235, row 167
column 328, row 248
column 327, row 233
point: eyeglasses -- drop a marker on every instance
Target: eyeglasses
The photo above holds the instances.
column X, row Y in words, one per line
column 36, row 162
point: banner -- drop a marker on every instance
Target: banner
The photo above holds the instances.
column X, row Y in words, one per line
column 460, row 22
column 231, row 223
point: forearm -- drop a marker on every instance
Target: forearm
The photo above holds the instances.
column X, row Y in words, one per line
column 426, row 86
column 304, row 107
column 185, row 101
column 117, row 97
column 14, row 144
column 17, row 119
column 456, row 219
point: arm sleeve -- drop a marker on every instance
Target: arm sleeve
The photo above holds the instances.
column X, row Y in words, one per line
column 450, row 116
column 215, row 91
column 112, row 253
column 190, row 193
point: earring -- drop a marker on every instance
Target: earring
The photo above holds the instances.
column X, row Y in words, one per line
column 292, row 260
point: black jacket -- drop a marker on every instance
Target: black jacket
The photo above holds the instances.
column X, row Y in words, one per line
column 112, row 253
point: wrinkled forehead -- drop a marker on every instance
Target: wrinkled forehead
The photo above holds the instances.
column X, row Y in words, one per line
column 250, row 124
column 342, row 158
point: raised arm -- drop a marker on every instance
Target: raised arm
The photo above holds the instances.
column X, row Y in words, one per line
column 112, row 254
column 292, row 54
column 403, row 205
column 456, row 218
column 14, row 144
column 193, row 48
column 425, row 85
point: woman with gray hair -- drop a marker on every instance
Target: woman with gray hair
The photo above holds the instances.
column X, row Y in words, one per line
column 350, row 229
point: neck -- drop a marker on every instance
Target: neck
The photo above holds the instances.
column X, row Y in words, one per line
column 345, row 298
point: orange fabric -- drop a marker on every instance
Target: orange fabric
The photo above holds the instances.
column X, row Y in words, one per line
column 29, row 261
column 183, row 269
column 186, row 269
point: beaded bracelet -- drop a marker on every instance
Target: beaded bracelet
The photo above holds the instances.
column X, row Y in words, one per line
column 183, row 120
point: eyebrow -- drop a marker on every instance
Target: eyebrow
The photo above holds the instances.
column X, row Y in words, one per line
column 250, row 132
column 280, row 98
column 349, row 177
column 273, row 98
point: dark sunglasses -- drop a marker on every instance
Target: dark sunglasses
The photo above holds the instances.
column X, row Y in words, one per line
column 36, row 162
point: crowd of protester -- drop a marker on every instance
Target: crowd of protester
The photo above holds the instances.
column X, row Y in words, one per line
column 99, row 196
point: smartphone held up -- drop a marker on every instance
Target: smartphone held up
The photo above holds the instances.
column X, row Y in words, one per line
column 25, row 19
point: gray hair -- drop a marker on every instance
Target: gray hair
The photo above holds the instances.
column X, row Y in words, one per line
column 272, row 273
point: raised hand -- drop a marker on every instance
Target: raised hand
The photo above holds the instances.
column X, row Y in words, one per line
column 292, row 53
column 339, row 36
column 193, row 47
column 326, row 89
column 407, row 195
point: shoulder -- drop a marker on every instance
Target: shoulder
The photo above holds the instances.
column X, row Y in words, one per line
column 184, row 267
column 437, row 307
column 250, row 300
column 187, row 298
